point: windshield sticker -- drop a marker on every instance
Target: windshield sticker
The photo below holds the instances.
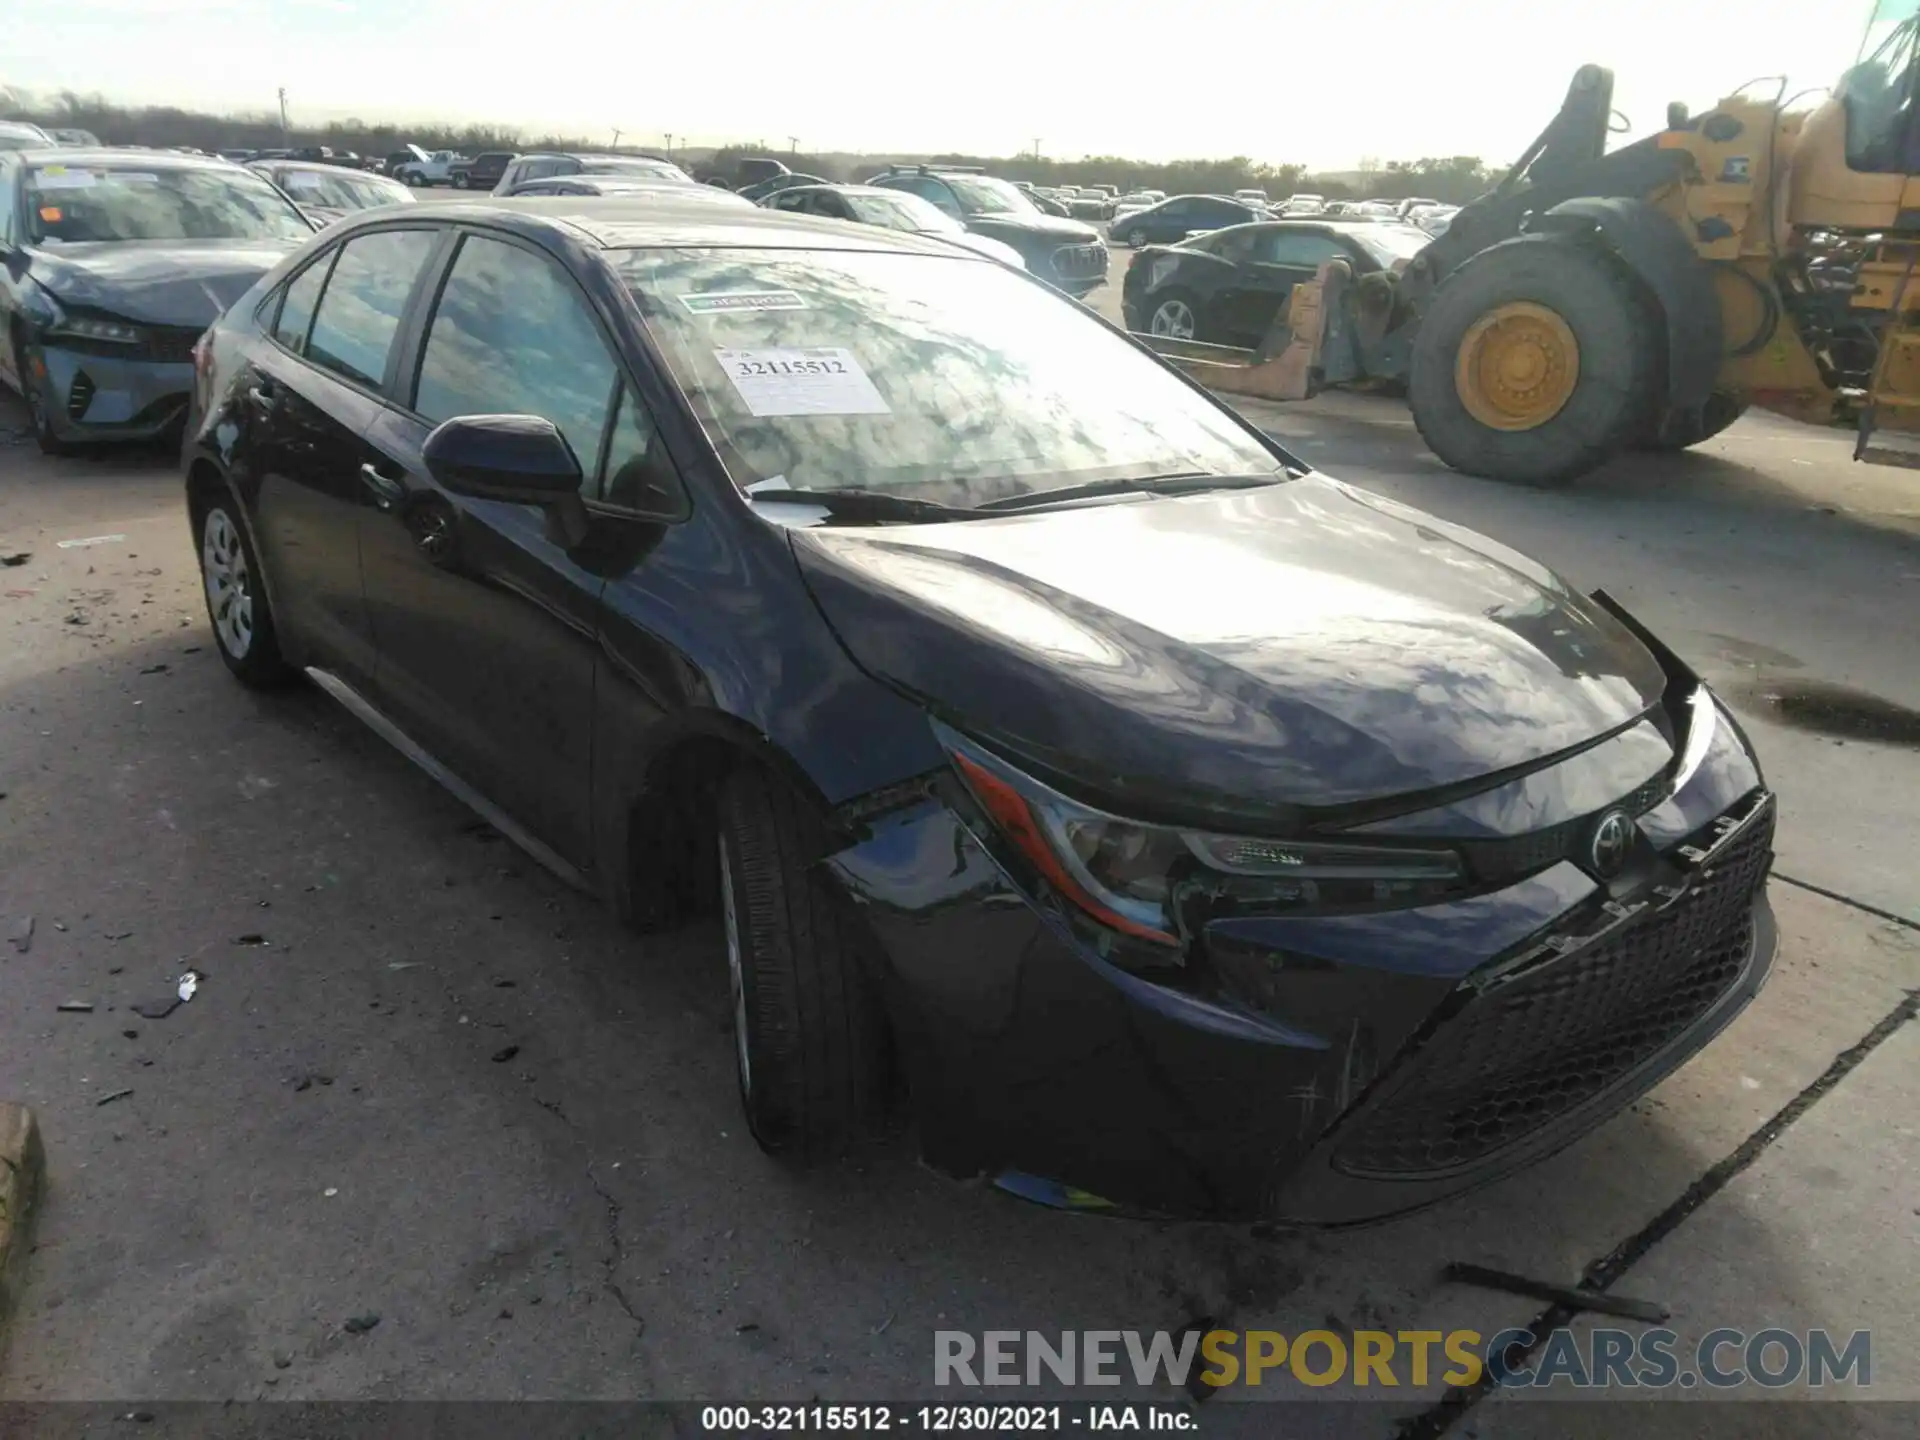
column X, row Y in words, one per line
column 821, row 381
column 58, row 177
column 298, row 181
column 716, row 302
column 50, row 214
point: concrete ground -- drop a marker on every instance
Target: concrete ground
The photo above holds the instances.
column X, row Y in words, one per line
column 421, row 1081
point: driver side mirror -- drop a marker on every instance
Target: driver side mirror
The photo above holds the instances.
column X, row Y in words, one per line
column 522, row 459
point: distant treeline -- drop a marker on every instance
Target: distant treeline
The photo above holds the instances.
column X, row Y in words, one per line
column 1455, row 178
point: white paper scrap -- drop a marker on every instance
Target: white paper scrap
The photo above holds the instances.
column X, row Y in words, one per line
column 820, row 381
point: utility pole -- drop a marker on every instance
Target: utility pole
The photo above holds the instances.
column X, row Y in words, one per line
column 793, row 144
column 286, row 130
column 616, row 137
column 1036, row 147
column 669, row 144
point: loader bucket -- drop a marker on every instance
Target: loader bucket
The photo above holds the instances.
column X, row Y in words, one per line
column 1287, row 363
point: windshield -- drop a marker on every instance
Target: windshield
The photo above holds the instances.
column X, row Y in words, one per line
column 340, row 190
column 1391, row 244
column 69, row 204
column 897, row 210
column 984, row 195
column 933, row 378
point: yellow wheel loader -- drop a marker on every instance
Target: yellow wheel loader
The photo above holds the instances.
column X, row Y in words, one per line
column 1599, row 301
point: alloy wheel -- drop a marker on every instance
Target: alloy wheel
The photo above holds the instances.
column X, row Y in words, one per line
column 229, row 582
column 1173, row 319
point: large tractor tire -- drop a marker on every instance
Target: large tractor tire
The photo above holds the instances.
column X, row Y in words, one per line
column 1536, row 361
column 1720, row 411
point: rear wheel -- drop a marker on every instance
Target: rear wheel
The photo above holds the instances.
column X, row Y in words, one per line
column 1135, row 239
column 809, row 1041
column 236, row 600
column 460, row 180
column 1536, row 361
column 1720, row 411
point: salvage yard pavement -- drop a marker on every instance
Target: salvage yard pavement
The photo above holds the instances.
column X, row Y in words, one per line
column 432, row 1126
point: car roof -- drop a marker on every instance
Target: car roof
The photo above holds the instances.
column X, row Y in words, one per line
column 75, row 156
column 614, row 223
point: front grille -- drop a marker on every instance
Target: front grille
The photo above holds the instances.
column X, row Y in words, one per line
column 1080, row 262
column 1518, row 855
column 1567, row 1022
column 170, row 344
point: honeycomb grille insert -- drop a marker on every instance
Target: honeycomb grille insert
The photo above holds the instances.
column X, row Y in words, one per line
column 1530, row 1049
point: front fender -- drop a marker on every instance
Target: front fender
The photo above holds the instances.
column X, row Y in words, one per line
column 1658, row 251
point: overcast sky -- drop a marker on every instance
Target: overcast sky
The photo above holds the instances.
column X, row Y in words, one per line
column 1390, row 79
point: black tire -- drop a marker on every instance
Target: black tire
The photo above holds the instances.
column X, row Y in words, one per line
column 1135, row 239
column 1614, row 326
column 1720, row 411
column 810, row 1043
column 460, row 180
column 255, row 660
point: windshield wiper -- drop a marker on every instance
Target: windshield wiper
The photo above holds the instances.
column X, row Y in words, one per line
column 1183, row 483
column 863, row 504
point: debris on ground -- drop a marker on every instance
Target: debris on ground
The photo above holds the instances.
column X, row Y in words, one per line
column 252, row 787
column 360, row 1324
column 505, row 1053
column 310, row 1079
column 116, row 1095
column 75, row 1007
column 251, row 938
column 1574, row 1297
column 78, row 617
column 85, row 540
column 189, row 985
column 19, row 557
column 282, row 1359
column 22, row 936
column 159, row 669
column 157, row 1009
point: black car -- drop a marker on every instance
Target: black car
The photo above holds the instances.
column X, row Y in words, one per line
column 326, row 192
column 1182, row 831
column 1226, row 287
column 1064, row 253
column 484, row 171
column 545, row 165
column 112, row 262
column 1178, row 216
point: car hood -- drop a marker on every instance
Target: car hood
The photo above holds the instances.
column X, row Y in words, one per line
column 1304, row 646
column 984, row 245
column 183, row 282
column 1008, row 227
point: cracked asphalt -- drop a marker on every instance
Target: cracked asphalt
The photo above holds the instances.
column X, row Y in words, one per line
column 424, row 1082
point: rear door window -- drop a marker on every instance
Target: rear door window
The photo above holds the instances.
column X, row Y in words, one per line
column 512, row 336
column 359, row 314
column 296, row 306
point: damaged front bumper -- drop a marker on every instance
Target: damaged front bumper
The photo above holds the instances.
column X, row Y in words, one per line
column 1319, row 1069
column 89, row 395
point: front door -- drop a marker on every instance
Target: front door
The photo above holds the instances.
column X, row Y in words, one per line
column 484, row 620
column 1263, row 281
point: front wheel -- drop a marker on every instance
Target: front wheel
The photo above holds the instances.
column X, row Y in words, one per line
column 1135, row 239
column 460, row 182
column 810, row 1047
column 237, row 601
column 1173, row 316
column 1535, row 362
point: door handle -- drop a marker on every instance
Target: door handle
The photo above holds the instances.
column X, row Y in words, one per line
column 262, row 397
column 387, row 492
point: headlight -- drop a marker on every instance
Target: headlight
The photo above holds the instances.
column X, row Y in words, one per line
column 1137, row 878
column 112, row 332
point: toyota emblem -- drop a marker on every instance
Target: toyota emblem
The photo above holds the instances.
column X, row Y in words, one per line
column 1612, row 840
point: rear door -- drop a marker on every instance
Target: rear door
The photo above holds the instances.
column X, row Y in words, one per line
column 313, row 389
column 485, row 623
column 1170, row 222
